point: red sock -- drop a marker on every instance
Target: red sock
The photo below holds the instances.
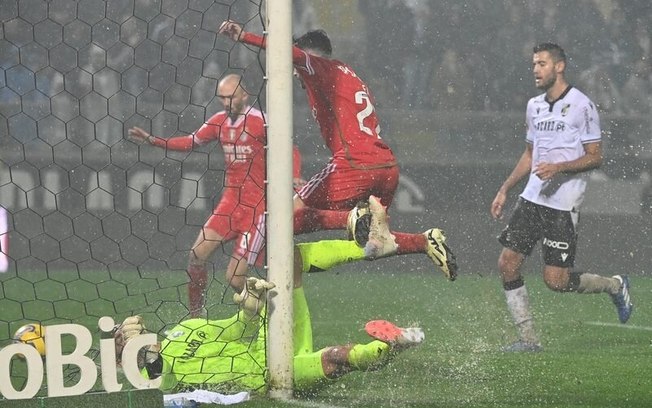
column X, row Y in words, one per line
column 196, row 287
column 410, row 243
column 308, row 219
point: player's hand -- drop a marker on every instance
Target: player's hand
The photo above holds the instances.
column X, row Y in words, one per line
column 231, row 29
column 252, row 297
column 546, row 171
column 498, row 204
column 138, row 135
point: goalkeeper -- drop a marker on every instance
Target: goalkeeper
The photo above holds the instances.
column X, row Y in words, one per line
column 229, row 354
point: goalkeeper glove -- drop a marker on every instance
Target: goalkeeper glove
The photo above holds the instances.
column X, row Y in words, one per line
column 131, row 327
column 252, row 297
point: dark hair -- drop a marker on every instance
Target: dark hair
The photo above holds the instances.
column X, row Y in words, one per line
column 555, row 51
column 316, row 40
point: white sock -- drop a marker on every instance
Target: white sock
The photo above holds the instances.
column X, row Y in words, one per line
column 591, row 283
column 518, row 304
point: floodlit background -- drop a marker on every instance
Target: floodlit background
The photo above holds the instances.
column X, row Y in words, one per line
column 100, row 226
column 450, row 78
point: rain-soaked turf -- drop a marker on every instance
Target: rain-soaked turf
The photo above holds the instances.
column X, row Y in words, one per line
column 589, row 358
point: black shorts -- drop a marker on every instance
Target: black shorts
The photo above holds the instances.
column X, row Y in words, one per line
column 556, row 229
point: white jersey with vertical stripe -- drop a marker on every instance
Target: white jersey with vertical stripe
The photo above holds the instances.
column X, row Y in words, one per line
column 558, row 132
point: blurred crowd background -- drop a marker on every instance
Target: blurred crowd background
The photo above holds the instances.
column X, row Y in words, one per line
column 475, row 55
column 450, row 78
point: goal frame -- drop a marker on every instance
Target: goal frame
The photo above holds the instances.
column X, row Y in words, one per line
column 280, row 243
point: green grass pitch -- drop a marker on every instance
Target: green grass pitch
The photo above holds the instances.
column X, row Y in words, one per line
column 590, row 360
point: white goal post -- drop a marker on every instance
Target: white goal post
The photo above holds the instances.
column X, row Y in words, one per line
column 280, row 242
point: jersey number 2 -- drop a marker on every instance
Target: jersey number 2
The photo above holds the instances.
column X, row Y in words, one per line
column 361, row 98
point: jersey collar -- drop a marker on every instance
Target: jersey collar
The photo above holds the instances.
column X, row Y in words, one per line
column 563, row 94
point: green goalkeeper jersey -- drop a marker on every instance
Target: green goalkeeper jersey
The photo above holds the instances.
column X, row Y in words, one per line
column 219, row 355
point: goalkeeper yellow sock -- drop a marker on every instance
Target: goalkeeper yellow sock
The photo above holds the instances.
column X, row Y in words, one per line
column 323, row 255
column 302, row 330
column 369, row 356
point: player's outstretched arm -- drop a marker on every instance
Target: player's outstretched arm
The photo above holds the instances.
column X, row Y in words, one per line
column 236, row 32
column 138, row 135
column 180, row 143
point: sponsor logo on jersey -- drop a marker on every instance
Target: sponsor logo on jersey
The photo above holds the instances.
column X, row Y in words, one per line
column 234, row 153
column 191, row 349
column 193, row 345
column 550, row 126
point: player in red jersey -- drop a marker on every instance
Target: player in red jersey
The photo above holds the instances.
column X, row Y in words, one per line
column 240, row 130
column 362, row 164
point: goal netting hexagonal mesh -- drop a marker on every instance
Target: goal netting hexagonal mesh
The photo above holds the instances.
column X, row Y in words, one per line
column 93, row 224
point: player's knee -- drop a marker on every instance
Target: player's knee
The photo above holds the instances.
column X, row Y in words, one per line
column 557, row 283
column 508, row 265
column 502, row 264
column 559, row 279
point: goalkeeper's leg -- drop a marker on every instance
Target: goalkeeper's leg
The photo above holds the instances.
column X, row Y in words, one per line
column 324, row 255
column 331, row 363
column 302, row 328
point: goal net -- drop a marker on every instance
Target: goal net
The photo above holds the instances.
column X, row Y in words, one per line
column 96, row 224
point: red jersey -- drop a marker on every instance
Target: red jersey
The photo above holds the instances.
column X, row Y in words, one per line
column 343, row 107
column 243, row 143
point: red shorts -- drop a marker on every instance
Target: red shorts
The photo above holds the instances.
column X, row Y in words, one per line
column 243, row 223
column 339, row 186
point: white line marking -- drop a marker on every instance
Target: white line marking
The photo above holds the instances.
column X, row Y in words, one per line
column 620, row 325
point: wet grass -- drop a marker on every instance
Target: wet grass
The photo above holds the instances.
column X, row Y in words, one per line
column 590, row 360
